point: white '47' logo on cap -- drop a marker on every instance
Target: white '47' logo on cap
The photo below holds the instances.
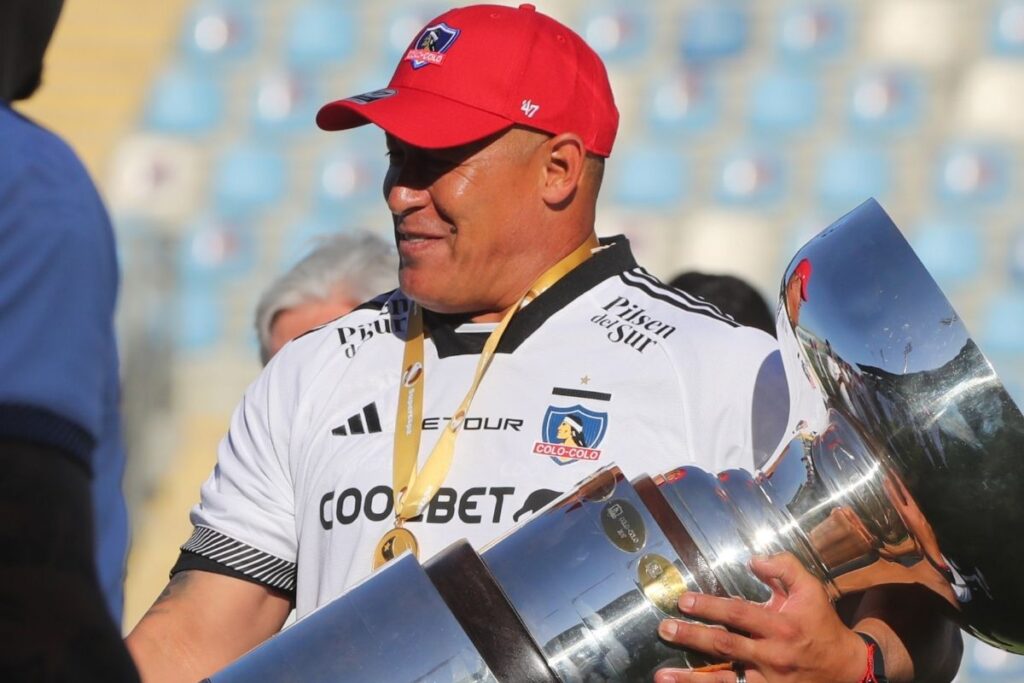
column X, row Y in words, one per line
column 529, row 108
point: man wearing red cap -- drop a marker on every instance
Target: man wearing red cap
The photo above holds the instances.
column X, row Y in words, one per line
column 433, row 412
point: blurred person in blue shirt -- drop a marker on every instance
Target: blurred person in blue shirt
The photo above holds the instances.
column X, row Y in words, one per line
column 65, row 530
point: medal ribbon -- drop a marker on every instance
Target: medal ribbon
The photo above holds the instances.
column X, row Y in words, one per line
column 413, row 491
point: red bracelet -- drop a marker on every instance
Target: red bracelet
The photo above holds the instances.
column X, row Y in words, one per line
column 875, row 672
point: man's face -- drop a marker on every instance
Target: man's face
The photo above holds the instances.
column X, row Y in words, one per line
column 465, row 221
column 564, row 430
column 793, row 299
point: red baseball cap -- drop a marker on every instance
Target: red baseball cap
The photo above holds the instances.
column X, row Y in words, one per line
column 478, row 70
column 803, row 271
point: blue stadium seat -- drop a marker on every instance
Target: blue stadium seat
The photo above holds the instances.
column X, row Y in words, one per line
column 247, row 178
column 687, row 103
column 184, row 101
column 951, row 251
column 649, row 177
column 216, row 249
column 973, row 174
column 751, row 176
column 350, row 173
column 885, row 101
column 285, row 102
column 812, row 31
column 201, row 317
column 850, row 173
column 784, row 101
column 617, row 33
column 1002, row 329
column 320, row 33
column 713, row 30
column 1006, row 33
column 219, row 31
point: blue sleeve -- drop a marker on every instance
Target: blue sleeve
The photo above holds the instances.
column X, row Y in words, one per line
column 58, row 285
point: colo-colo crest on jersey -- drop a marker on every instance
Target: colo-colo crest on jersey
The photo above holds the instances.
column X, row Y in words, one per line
column 571, row 434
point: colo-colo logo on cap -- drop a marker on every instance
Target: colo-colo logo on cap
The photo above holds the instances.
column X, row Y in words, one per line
column 431, row 45
column 572, row 434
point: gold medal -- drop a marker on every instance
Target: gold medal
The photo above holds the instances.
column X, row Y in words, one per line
column 413, row 490
column 392, row 544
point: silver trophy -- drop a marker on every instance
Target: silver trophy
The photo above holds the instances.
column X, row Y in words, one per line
column 909, row 471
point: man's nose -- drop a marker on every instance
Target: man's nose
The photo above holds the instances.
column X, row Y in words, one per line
column 403, row 191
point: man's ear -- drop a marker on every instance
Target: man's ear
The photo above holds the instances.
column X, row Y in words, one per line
column 565, row 156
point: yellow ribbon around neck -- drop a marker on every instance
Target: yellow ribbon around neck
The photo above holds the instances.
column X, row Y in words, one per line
column 413, row 490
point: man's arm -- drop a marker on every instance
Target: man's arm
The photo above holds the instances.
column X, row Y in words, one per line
column 54, row 624
column 201, row 622
column 919, row 644
column 797, row 636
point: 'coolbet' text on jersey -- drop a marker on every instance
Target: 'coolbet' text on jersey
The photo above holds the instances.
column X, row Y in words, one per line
column 607, row 366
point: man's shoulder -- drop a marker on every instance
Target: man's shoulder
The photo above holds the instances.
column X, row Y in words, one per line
column 338, row 341
column 29, row 146
column 635, row 295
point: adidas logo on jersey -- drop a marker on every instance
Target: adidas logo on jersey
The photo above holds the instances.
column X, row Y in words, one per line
column 366, row 421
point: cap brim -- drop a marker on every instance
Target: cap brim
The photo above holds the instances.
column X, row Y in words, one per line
column 419, row 118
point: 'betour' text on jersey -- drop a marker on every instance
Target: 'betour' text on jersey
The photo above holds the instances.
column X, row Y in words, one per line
column 629, row 324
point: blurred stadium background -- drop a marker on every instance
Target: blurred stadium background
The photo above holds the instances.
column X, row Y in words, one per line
column 747, row 126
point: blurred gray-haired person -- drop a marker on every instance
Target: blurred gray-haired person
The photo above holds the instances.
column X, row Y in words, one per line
column 342, row 272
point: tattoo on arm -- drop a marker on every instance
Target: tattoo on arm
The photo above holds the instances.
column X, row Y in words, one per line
column 173, row 588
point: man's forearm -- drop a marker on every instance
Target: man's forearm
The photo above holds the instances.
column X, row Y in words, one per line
column 200, row 623
column 920, row 645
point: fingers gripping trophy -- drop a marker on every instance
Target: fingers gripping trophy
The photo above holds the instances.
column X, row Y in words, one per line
column 908, row 471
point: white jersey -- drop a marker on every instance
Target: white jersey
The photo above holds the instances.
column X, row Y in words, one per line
column 650, row 379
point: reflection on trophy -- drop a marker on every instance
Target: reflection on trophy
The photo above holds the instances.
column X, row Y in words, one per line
column 909, row 471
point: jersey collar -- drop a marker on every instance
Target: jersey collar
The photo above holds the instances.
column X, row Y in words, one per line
column 615, row 258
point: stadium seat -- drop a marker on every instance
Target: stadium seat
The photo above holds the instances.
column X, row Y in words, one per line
column 651, row 177
column 285, row 101
column 850, row 173
column 688, row 102
column 1006, row 33
column 617, row 33
column 184, row 101
column 1002, row 329
column 350, row 173
column 989, row 99
column 201, row 317
column 320, row 33
column 216, row 249
column 784, row 101
column 751, row 176
column 927, row 34
column 973, row 174
column 157, row 177
column 713, row 30
column 886, row 101
column 247, row 178
column 951, row 251
column 812, row 32
column 219, row 31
